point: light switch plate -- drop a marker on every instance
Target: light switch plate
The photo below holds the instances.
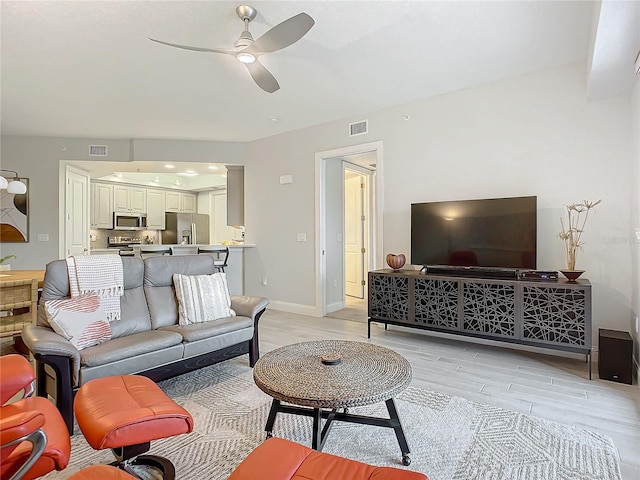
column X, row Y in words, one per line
column 301, row 237
column 43, row 237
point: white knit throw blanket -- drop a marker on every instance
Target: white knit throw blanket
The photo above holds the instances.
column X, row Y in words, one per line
column 100, row 274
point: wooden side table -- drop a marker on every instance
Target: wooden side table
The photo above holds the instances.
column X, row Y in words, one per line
column 17, row 294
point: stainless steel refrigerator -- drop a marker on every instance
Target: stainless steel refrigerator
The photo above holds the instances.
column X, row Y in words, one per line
column 186, row 229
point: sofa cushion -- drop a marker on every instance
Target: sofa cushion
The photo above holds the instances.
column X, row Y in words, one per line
column 158, row 283
column 200, row 331
column 127, row 347
column 202, row 298
column 82, row 320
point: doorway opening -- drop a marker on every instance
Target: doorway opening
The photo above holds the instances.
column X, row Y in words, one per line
column 348, row 224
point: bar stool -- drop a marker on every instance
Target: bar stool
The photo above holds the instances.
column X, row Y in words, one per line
column 155, row 251
column 220, row 254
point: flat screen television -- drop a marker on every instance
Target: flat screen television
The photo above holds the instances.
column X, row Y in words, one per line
column 495, row 232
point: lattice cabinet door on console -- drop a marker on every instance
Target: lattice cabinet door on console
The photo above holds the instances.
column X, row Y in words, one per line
column 489, row 308
column 389, row 297
column 436, row 303
column 558, row 316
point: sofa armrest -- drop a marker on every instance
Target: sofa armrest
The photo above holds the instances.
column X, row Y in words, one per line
column 248, row 306
column 44, row 341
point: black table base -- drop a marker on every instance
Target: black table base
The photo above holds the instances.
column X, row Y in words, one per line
column 320, row 432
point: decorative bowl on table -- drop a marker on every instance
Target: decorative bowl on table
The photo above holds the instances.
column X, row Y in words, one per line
column 396, row 262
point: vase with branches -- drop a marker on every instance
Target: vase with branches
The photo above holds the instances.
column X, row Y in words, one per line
column 571, row 234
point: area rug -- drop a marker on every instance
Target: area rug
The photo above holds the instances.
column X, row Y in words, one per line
column 450, row 438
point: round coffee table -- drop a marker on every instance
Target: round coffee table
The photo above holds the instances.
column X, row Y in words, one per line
column 328, row 375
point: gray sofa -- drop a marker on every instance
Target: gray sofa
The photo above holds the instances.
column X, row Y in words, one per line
column 148, row 339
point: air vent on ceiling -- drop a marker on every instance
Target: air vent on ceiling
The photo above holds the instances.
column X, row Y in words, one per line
column 359, row 128
column 97, row 150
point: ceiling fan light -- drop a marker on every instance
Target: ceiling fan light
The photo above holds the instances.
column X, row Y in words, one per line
column 245, row 57
column 17, row 187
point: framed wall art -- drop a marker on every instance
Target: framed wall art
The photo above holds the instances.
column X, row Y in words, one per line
column 14, row 216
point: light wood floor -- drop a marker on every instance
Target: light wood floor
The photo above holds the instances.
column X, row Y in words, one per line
column 547, row 386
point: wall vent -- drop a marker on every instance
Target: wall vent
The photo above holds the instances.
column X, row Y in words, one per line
column 359, row 128
column 97, row 150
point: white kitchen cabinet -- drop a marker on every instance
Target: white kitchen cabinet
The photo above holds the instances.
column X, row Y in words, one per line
column 181, row 202
column 101, row 205
column 156, row 200
column 129, row 199
column 189, row 202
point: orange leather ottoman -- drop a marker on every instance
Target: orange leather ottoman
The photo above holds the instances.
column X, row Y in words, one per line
column 101, row 472
column 124, row 413
column 278, row 459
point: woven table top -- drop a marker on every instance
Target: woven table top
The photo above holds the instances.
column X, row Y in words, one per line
column 366, row 374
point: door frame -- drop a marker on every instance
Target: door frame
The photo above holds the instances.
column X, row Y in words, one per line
column 376, row 223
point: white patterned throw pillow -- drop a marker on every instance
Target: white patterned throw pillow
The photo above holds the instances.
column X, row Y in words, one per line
column 202, row 298
column 82, row 320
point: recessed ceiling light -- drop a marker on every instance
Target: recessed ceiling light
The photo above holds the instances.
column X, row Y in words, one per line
column 213, row 167
column 168, row 165
column 188, row 173
column 274, row 119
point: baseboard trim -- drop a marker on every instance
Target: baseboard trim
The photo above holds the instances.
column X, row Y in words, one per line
column 309, row 310
column 334, row 307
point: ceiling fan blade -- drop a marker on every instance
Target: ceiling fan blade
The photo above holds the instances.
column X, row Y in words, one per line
column 282, row 35
column 263, row 77
column 197, row 49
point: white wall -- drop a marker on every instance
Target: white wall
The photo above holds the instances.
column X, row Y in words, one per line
column 635, row 218
column 334, row 225
column 531, row 135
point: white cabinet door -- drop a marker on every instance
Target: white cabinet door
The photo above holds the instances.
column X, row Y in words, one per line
column 138, row 200
column 129, row 199
column 174, row 201
column 181, row 202
column 189, row 201
column 155, row 209
column 102, row 207
column 121, row 198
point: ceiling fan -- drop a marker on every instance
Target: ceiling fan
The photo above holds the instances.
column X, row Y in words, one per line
column 247, row 50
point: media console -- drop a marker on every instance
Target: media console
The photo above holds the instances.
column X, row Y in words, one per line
column 551, row 314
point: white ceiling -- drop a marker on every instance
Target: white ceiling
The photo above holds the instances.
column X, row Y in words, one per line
column 86, row 68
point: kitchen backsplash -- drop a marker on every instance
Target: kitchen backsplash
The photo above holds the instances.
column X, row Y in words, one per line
column 100, row 238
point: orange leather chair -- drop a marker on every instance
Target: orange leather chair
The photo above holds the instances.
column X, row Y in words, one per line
column 278, row 459
column 34, row 439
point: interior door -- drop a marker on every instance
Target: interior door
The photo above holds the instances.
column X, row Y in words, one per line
column 354, row 188
column 77, row 212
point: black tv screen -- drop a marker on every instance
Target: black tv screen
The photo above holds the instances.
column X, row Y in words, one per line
column 496, row 232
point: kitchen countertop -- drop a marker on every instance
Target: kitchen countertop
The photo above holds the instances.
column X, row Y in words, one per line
column 192, row 245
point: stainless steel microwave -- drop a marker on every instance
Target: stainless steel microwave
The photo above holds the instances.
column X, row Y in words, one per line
column 129, row 221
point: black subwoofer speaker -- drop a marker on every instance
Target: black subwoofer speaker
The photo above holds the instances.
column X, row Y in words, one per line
column 615, row 356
